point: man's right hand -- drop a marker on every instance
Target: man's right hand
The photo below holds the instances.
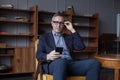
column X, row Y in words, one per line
column 53, row 55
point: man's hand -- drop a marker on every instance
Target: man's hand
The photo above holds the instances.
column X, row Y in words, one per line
column 53, row 55
column 69, row 26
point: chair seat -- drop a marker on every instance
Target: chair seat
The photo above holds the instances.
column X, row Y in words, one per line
column 50, row 77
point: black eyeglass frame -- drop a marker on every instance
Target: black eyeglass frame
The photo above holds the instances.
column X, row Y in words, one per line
column 57, row 22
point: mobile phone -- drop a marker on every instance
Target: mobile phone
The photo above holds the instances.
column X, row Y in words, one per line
column 59, row 49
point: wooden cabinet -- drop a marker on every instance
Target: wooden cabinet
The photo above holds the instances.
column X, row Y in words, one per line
column 86, row 25
column 44, row 21
column 22, row 58
column 89, row 33
column 88, row 28
column 18, row 32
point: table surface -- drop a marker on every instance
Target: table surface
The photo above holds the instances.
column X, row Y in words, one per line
column 109, row 56
column 110, row 61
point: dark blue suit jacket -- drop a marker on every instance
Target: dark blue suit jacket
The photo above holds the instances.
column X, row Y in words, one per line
column 47, row 44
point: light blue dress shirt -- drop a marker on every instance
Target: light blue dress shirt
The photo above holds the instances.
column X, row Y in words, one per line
column 60, row 42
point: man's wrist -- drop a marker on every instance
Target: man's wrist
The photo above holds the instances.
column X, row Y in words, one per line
column 73, row 30
column 48, row 57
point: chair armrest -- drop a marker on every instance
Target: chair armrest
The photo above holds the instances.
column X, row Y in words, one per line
column 39, row 70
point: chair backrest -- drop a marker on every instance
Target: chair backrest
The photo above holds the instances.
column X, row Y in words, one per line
column 38, row 64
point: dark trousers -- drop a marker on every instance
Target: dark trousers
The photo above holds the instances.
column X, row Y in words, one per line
column 61, row 68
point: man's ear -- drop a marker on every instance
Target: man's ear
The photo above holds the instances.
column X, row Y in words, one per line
column 51, row 23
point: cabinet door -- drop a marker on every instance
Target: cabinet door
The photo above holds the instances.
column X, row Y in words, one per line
column 24, row 60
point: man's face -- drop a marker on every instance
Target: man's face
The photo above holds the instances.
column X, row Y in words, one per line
column 58, row 24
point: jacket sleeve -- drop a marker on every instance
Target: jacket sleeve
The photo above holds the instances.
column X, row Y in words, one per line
column 77, row 42
column 41, row 53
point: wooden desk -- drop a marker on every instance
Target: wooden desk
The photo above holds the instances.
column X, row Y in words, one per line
column 111, row 61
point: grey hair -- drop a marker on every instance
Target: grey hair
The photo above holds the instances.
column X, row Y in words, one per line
column 58, row 14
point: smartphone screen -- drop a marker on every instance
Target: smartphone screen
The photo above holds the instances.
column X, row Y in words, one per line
column 59, row 49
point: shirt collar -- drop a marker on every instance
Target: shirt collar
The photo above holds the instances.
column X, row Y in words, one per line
column 55, row 34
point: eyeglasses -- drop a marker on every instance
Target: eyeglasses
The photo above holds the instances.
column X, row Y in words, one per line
column 57, row 22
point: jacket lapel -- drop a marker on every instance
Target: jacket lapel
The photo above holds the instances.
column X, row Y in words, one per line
column 67, row 41
column 51, row 40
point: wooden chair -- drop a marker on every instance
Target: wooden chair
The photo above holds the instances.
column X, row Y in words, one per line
column 50, row 77
column 40, row 76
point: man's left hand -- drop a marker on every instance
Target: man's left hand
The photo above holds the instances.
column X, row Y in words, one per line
column 69, row 26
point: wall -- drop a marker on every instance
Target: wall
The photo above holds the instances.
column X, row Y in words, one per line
column 107, row 9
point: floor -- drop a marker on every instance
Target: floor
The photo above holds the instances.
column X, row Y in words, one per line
column 105, row 74
column 17, row 77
